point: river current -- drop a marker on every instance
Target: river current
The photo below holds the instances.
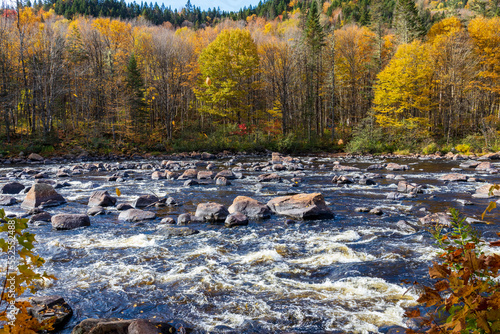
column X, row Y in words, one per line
column 341, row 275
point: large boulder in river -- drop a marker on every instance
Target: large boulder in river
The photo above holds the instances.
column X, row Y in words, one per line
column 144, row 201
column 6, row 200
column 250, row 207
column 12, row 188
column 101, row 198
column 272, row 177
column 411, row 188
column 396, row 167
column 177, row 231
column 35, row 157
column 301, row 206
column 50, row 308
column 454, row 177
column 120, row 326
column 211, row 212
column 135, row 215
column 439, row 218
column 484, row 166
column 484, row 192
column 226, row 173
column 42, row 194
column 236, row 219
column 189, row 174
column 69, row 221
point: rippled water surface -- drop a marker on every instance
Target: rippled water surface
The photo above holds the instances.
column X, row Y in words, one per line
column 337, row 275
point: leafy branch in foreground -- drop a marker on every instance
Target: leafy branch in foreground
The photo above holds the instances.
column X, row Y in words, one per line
column 19, row 276
column 467, row 288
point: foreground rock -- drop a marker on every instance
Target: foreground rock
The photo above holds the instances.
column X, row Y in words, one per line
column 301, row 206
column 236, row 219
column 250, row 207
column 7, row 200
column 484, row 192
column 12, row 188
column 145, row 201
column 69, row 221
column 136, row 215
column 47, row 307
column 439, row 218
column 42, row 194
column 101, row 198
column 120, row 326
column 211, row 212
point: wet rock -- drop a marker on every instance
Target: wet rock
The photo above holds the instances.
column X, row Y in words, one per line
column 270, row 177
column 205, row 175
column 375, row 167
column 376, row 211
column 168, row 221
column 484, row 166
column 250, row 207
column 6, row 200
column 301, row 206
column 62, row 174
column 157, row 175
column 136, row 215
column 278, row 167
column 190, row 183
column 170, row 201
column 404, row 226
column 222, row 181
column 228, row 174
column 145, row 201
column 123, row 207
column 178, row 231
column 102, row 326
column 399, row 196
column 12, row 188
column 276, row 158
column 341, row 179
column 42, row 194
column 101, row 198
column 211, row 167
column 41, row 216
column 35, row 157
column 362, row 209
column 50, row 307
column 69, row 221
column 189, row 174
column 464, row 202
column 169, row 175
column 367, row 182
column 342, row 168
column 290, row 222
column 469, row 164
column 455, row 177
column 96, row 210
column 41, row 176
column 396, row 167
column 236, row 219
column 187, row 218
column 483, row 192
column 490, row 156
column 211, row 212
column 207, row 156
column 439, row 218
column 406, row 187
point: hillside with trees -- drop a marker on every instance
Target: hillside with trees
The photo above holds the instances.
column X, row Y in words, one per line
column 377, row 75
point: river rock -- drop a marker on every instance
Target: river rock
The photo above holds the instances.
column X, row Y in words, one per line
column 96, row 210
column 12, row 188
column 101, row 198
column 278, row 167
column 6, row 200
column 42, row 194
column 190, row 183
column 168, row 221
column 406, row 187
column 483, row 192
column 404, row 226
column 69, row 221
column 376, row 211
column 41, row 216
column 250, row 207
column 157, row 175
column 124, row 206
column 171, row 175
column 136, row 215
column 211, row 167
column 187, row 218
column 144, row 201
column 454, row 177
column 270, row 177
column 35, row 157
column 375, row 167
column 396, row 167
column 205, row 175
column 178, row 231
column 143, row 326
column 342, row 179
column 50, row 307
column 236, row 219
column 102, row 326
column 469, row 164
column 342, row 168
column 367, row 182
column 301, row 206
column 362, row 209
column 228, row 174
column 490, row 156
column 438, row 218
column 222, row 181
column 484, row 166
column 189, row 174
column 211, row 212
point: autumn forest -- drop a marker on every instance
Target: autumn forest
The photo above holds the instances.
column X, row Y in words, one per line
column 367, row 76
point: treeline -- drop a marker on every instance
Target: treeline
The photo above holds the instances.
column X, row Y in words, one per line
column 111, row 83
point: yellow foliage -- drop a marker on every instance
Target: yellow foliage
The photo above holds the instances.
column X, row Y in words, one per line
column 447, row 26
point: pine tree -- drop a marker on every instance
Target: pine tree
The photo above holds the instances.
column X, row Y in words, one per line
column 135, row 86
column 314, row 34
column 407, row 22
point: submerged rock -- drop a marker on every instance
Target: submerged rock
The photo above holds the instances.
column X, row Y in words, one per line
column 42, row 194
column 69, row 221
column 301, row 206
column 135, row 215
column 7, row 200
column 177, row 231
column 50, row 307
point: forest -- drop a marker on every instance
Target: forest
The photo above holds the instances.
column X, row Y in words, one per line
column 366, row 76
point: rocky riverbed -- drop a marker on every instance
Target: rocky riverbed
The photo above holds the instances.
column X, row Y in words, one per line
column 243, row 244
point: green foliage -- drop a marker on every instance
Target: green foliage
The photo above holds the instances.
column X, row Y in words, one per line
column 19, row 250
column 430, row 149
column 467, row 286
column 368, row 139
column 314, row 34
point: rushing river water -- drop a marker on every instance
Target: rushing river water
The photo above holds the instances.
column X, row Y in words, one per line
column 324, row 276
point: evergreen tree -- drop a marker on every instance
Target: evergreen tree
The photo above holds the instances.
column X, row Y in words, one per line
column 314, row 34
column 407, row 22
column 135, row 86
